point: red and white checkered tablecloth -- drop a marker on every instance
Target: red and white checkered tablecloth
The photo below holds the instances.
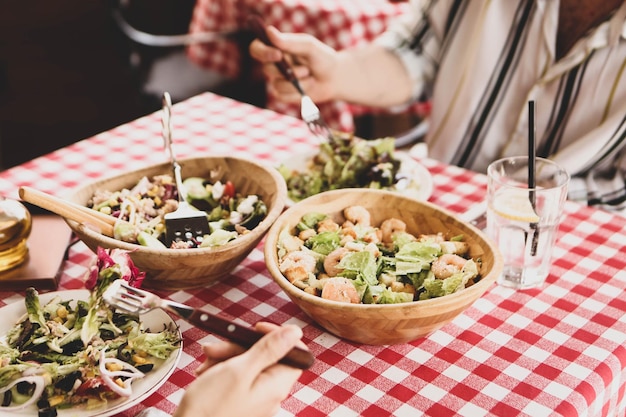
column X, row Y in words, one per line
column 560, row 350
column 339, row 23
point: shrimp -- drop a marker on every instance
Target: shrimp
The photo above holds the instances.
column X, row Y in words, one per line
column 398, row 286
column 371, row 237
column 357, row 215
column 346, row 239
column 327, row 225
column 447, row 264
column 332, row 260
column 307, row 234
column 340, row 289
column 348, row 232
column 297, row 265
column 391, row 226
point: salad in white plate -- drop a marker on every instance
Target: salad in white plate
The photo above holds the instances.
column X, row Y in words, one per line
column 352, row 162
column 80, row 353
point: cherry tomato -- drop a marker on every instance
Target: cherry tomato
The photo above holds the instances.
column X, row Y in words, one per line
column 93, row 387
column 229, row 189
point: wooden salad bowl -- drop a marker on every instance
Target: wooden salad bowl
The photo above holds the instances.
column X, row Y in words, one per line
column 189, row 268
column 383, row 324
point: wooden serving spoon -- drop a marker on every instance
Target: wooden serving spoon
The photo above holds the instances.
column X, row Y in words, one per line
column 95, row 220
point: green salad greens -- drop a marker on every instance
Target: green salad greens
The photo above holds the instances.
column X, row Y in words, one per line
column 68, row 353
column 230, row 212
column 348, row 162
column 356, row 262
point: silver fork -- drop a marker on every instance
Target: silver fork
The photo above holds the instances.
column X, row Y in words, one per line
column 131, row 300
column 309, row 111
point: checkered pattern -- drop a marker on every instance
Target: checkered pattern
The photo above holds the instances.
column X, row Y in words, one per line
column 560, row 350
column 339, row 23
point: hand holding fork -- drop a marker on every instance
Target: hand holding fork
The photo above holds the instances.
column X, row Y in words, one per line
column 121, row 296
column 309, row 111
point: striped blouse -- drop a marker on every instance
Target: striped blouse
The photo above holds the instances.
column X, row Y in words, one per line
column 481, row 61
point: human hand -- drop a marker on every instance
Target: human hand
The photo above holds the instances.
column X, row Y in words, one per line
column 234, row 382
column 313, row 63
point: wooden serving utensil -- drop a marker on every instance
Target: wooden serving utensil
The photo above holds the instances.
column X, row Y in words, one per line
column 100, row 222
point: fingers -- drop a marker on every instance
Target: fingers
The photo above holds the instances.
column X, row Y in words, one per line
column 264, row 53
column 222, row 350
column 218, row 352
column 313, row 62
column 274, row 380
column 248, row 383
column 269, row 56
column 271, row 348
column 281, row 44
column 296, row 44
column 275, row 383
column 203, row 367
column 283, row 91
column 266, row 327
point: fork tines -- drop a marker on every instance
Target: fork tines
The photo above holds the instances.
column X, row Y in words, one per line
column 310, row 113
column 125, row 298
column 119, row 307
column 320, row 130
column 128, row 303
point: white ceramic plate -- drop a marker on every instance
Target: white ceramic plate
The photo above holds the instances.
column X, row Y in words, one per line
column 142, row 388
column 418, row 183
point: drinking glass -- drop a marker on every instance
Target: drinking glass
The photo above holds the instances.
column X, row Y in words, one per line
column 524, row 221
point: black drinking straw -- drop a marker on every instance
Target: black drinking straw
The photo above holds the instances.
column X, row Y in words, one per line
column 532, row 157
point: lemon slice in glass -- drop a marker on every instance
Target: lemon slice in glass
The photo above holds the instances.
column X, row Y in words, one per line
column 514, row 205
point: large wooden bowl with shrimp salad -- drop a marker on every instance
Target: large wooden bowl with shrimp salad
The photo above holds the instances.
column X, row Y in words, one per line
column 170, row 269
column 383, row 324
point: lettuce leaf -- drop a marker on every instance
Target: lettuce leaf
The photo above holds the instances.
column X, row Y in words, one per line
column 390, row 297
column 414, row 257
column 309, row 220
column 218, row 238
column 324, row 243
column 361, row 264
column 439, row 287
